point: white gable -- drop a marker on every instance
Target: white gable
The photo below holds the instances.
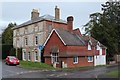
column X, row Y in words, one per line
column 50, row 36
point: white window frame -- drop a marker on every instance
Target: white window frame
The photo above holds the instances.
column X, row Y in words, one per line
column 29, row 56
column 36, row 56
column 91, row 58
column 24, row 56
column 54, row 58
column 75, row 59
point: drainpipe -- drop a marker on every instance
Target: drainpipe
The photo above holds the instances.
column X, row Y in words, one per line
column 94, row 57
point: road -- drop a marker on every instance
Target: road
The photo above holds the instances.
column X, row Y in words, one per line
column 16, row 72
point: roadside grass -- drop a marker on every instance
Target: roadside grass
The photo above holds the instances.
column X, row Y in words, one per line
column 77, row 68
column 38, row 65
column 114, row 73
column 35, row 65
column 82, row 68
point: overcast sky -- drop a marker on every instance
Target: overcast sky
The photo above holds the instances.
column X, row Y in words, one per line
column 20, row 12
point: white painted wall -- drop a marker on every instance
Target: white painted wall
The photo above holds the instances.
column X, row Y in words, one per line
column 99, row 60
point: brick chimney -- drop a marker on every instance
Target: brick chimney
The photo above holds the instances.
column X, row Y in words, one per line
column 34, row 14
column 57, row 13
column 70, row 23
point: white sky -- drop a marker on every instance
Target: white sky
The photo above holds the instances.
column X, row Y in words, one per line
column 20, row 12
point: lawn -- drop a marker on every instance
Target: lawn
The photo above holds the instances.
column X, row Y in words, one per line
column 35, row 65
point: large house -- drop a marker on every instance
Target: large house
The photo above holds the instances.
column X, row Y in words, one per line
column 31, row 35
column 63, row 46
column 68, row 48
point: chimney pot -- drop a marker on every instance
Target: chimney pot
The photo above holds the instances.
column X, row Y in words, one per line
column 57, row 13
column 70, row 23
column 70, row 18
column 34, row 14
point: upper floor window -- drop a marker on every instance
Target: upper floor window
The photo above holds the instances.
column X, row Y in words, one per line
column 75, row 59
column 89, row 46
column 26, row 30
column 36, row 40
column 26, row 41
column 98, row 46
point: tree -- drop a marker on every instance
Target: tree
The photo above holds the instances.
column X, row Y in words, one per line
column 7, row 40
column 7, row 35
column 105, row 27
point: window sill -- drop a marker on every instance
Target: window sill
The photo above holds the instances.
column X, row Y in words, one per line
column 36, row 60
column 90, row 61
column 75, row 62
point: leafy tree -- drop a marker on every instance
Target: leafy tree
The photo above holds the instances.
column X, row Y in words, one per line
column 7, row 40
column 7, row 35
column 105, row 27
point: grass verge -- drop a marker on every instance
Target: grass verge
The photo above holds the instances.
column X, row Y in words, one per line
column 38, row 65
column 114, row 73
column 35, row 65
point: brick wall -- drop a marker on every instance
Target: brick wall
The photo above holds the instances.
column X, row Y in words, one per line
column 82, row 61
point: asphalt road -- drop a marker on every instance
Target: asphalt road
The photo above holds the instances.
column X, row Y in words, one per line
column 12, row 70
column 16, row 72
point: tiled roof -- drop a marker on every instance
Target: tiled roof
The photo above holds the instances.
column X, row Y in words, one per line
column 70, row 38
column 94, row 41
column 44, row 17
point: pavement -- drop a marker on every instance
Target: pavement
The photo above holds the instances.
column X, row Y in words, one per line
column 17, row 72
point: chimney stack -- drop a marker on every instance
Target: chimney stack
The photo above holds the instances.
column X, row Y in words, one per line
column 70, row 23
column 57, row 13
column 34, row 14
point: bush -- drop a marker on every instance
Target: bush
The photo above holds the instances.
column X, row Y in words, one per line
column 6, row 50
column 19, row 53
column 13, row 52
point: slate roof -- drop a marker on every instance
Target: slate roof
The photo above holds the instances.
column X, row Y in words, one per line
column 44, row 17
column 70, row 38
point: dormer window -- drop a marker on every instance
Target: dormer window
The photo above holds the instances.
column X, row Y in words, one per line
column 89, row 46
column 98, row 46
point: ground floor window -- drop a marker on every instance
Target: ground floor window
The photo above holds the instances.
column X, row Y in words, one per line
column 36, row 56
column 24, row 56
column 75, row 59
column 54, row 57
column 28, row 56
column 90, row 59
